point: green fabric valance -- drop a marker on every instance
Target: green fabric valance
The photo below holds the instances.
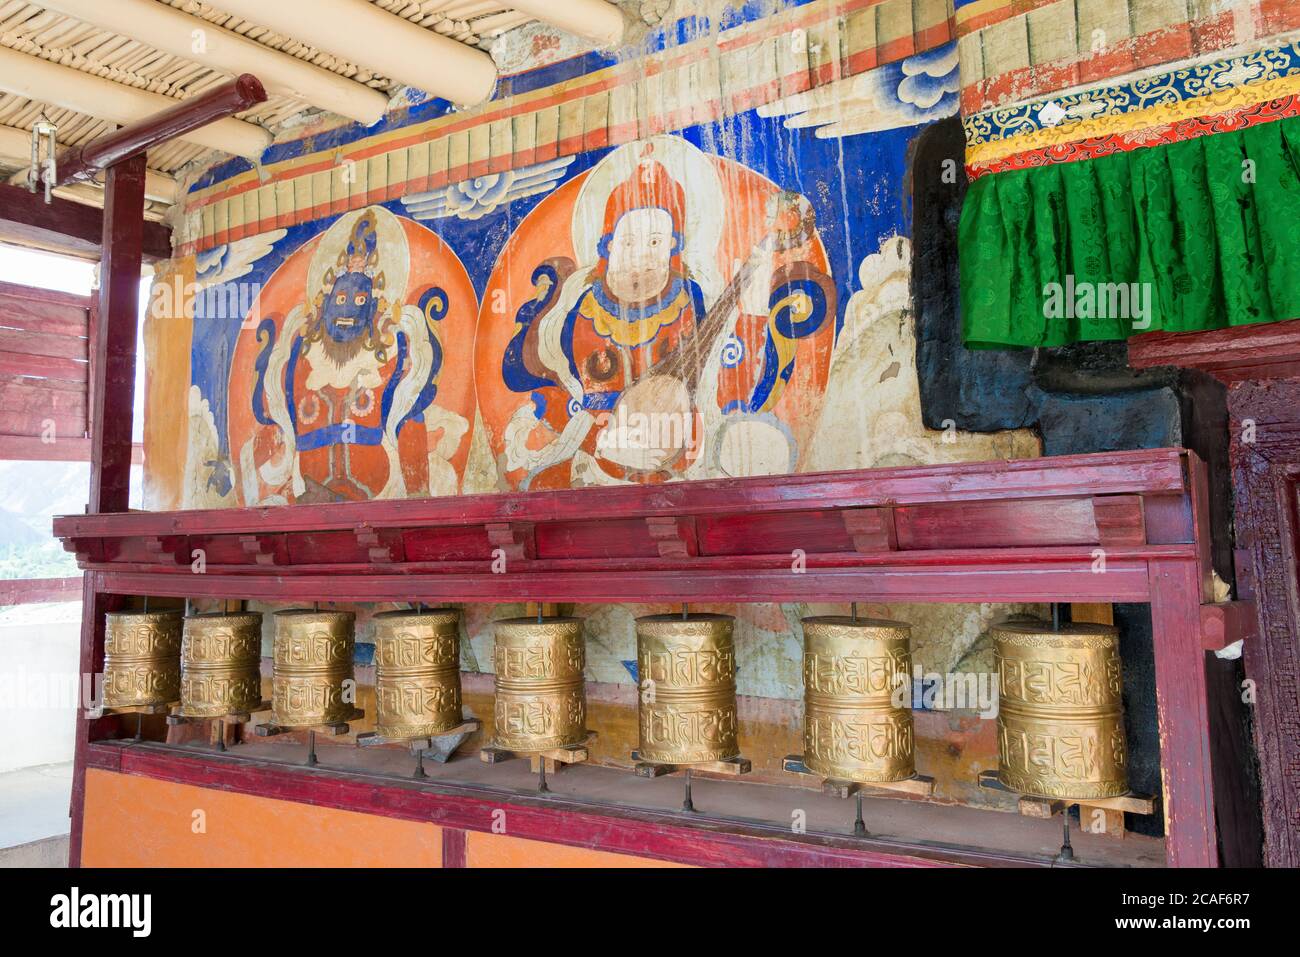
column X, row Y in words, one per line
column 1205, row 246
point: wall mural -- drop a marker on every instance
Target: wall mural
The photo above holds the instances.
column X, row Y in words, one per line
column 722, row 292
column 354, row 384
column 682, row 330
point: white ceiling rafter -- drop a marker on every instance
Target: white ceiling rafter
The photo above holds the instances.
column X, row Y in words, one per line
column 102, row 47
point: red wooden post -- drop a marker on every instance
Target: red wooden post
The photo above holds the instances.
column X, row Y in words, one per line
column 95, row 604
column 113, row 366
column 1183, row 714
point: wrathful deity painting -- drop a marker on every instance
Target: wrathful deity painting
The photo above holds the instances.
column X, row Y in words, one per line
column 354, row 384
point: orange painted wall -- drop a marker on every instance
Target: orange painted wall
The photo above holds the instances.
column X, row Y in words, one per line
column 501, row 850
column 141, row 822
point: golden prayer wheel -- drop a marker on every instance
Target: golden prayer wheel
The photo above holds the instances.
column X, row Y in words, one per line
column 221, row 665
column 142, row 658
column 541, row 701
column 852, row 728
column 312, row 659
column 687, row 669
column 417, row 673
column 1060, row 716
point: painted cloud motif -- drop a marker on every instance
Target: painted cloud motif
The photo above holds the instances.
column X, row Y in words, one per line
column 475, row 198
column 917, row 89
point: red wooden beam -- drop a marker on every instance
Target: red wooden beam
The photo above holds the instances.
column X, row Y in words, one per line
column 1267, row 350
column 1182, row 714
column 30, row 448
column 1088, row 476
column 67, row 227
column 1124, row 581
column 27, row 591
column 229, row 98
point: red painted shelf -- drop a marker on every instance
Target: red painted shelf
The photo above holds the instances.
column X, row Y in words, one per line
column 1027, row 530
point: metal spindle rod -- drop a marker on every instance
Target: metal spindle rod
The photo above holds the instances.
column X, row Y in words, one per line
column 859, row 826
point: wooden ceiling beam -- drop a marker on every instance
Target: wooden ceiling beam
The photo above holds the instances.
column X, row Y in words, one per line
column 64, row 226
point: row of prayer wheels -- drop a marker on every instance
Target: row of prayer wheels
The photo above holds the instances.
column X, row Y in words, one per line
column 1060, row 721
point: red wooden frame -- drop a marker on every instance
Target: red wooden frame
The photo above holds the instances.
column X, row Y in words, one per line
column 1260, row 365
column 26, row 591
column 47, row 344
column 643, row 832
column 1032, row 530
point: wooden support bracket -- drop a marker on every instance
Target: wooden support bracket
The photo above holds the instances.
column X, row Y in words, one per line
column 1226, row 622
column 85, row 549
column 516, row 539
column 382, row 545
column 1032, row 806
column 919, row 785
column 235, row 717
column 335, row 729
column 732, row 767
column 373, row 739
column 175, row 546
column 1120, row 520
column 873, row 529
column 261, row 547
column 674, row 537
column 553, row 758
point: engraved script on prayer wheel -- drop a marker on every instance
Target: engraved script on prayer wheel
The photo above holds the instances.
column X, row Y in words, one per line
column 687, row 669
column 221, row 658
column 312, row 658
column 852, row 729
column 1060, row 716
column 541, row 701
column 417, row 673
column 142, row 658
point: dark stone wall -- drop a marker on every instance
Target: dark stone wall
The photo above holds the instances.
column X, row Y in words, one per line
column 1080, row 398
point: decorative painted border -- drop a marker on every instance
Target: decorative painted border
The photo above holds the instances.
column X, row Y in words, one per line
column 1016, row 50
column 977, row 15
column 1177, row 86
column 1236, row 119
column 697, row 82
column 1131, row 123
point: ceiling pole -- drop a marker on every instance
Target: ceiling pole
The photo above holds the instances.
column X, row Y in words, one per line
column 600, row 22
column 112, row 367
column 359, row 32
column 195, row 39
column 63, row 86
